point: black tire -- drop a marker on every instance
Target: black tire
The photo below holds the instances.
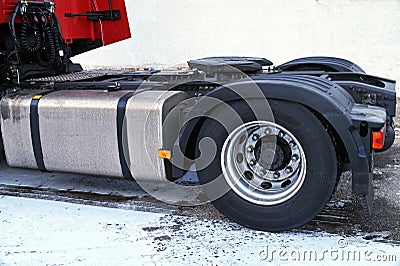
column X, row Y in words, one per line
column 2, row 152
column 320, row 177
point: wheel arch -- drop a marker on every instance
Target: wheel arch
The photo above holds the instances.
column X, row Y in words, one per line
column 329, row 102
column 324, row 63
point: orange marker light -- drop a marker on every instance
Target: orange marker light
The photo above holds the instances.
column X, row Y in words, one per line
column 164, row 154
column 378, row 138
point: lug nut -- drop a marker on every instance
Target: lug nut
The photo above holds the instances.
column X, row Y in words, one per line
column 289, row 170
column 252, row 162
column 267, row 131
column 295, row 157
column 255, row 137
column 281, row 134
column 277, row 175
column 250, row 149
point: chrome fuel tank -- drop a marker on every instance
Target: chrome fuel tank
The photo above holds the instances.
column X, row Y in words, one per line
column 87, row 131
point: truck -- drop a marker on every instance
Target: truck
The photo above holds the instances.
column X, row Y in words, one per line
column 267, row 142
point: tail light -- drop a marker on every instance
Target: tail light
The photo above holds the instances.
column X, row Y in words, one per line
column 378, row 138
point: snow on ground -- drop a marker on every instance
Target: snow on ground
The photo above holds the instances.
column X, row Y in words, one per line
column 34, row 231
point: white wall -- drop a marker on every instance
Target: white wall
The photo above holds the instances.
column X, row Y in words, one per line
column 169, row 32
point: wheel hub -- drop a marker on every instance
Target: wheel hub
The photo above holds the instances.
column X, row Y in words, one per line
column 263, row 162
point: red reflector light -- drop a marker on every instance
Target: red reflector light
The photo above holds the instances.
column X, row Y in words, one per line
column 378, row 138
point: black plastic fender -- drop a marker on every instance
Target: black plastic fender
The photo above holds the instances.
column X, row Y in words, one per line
column 320, row 95
column 317, row 63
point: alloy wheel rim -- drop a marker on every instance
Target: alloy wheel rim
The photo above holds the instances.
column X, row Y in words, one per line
column 263, row 163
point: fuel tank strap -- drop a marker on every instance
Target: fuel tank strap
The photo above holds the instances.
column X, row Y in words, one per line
column 35, row 131
column 121, row 111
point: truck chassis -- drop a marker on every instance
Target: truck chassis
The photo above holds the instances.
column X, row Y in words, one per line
column 268, row 142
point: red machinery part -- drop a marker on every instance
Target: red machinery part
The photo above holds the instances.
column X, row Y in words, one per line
column 74, row 28
column 6, row 7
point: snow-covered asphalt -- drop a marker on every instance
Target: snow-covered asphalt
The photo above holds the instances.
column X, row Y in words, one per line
column 43, row 232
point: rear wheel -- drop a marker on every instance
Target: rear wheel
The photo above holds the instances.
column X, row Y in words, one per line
column 280, row 174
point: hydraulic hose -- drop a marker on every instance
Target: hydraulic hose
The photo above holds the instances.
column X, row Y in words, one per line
column 47, row 56
column 27, row 30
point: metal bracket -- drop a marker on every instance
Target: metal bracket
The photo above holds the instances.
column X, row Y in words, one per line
column 46, row 3
column 98, row 15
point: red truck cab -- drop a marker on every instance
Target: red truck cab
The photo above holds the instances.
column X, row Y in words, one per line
column 85, row 24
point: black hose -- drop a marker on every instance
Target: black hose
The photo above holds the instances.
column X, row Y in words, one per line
column 61, row 44
column 55, row 35
column 50, row 48
column 40, row 36
column 28, row 30
column 11, row 24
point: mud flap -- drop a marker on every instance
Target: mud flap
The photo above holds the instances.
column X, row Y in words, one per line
column 368, row 200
